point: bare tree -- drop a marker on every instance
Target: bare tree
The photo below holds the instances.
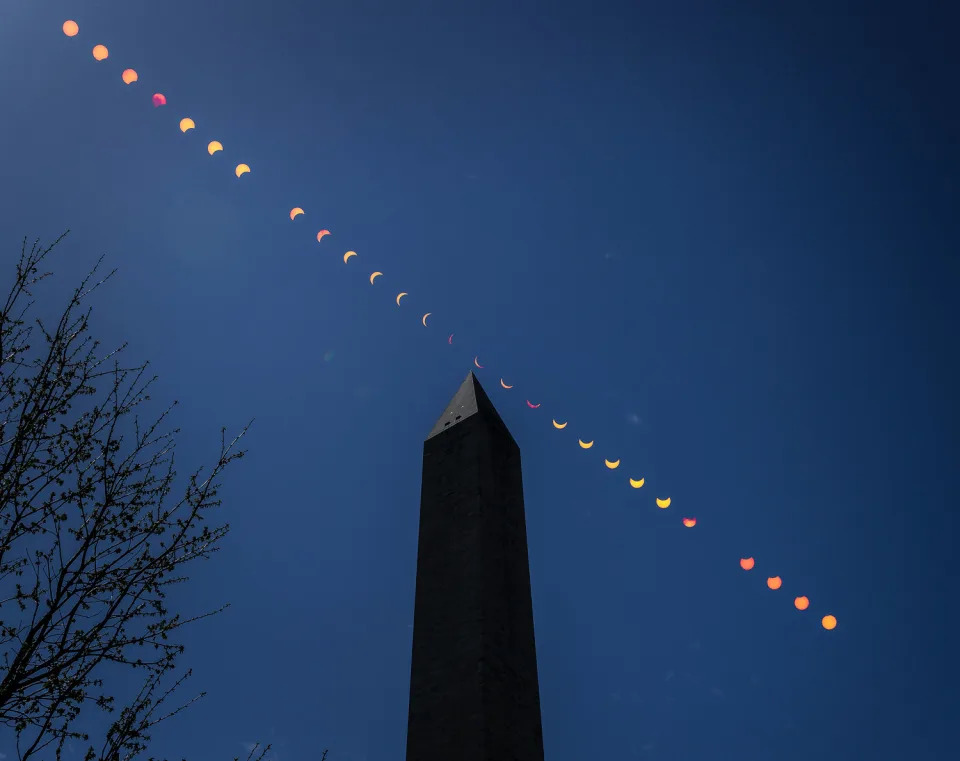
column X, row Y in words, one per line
column 91, row 538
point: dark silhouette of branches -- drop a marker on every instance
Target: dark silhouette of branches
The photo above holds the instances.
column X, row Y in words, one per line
column 92, row 537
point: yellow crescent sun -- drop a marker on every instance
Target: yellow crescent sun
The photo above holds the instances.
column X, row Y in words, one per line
column 611, row 464
column 504, row 384
column 374, row 276
column 213, row 146
column 424, row 320
column 585, row 444
column 295, row 212
column 663, row 502
column 348, row 255
column 241, row 169
column 400, row 296
column 636, row 484
column 558, row 426
column 186, row 123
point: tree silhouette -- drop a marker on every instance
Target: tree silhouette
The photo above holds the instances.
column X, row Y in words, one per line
column 91, row 536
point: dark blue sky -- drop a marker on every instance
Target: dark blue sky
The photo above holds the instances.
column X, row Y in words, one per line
column 715, row 237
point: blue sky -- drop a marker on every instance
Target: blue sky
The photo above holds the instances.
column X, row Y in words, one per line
column 716, row 238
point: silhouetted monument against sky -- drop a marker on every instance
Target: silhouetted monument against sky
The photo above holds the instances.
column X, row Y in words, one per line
column 474, row 693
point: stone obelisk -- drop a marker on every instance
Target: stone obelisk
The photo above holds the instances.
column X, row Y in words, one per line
column 474, row 692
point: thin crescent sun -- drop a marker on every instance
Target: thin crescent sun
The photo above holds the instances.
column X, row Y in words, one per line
column 637, row 483
column 504, row 384
column 400, row 296
column 585, row 444
column 533, row 406
column 295, row 212
column 374, row 276
column 559, row 426
column 424, row 320
column 450, row 339
column 348, row 255
column 611, row 464
column 663, row 502
column 321, row 234
column 476, row 361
